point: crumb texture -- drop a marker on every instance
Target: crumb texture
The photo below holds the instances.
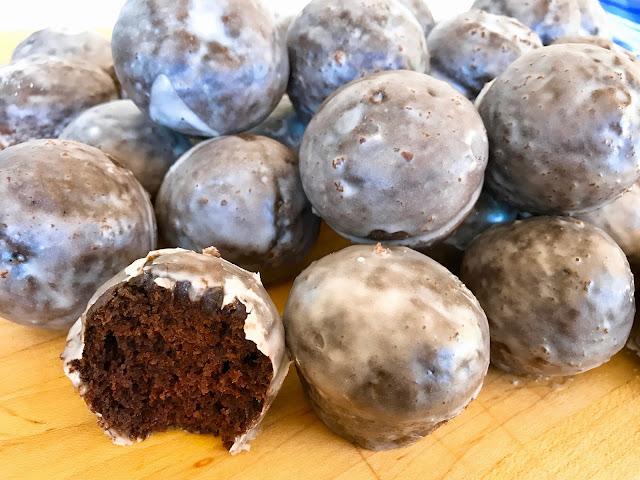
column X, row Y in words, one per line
column 154, row 359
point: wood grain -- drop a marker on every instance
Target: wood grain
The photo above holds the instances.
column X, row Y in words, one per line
column 586, row 427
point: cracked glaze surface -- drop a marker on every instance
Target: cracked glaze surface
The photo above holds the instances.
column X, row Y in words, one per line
column 203, row 272
column 335, row 41
column 201, row 67
column 475, row 47
column 558, row 293
column 388, row 343
column 397, row 157
column 70, row 218
column 564, row 129
column 121, row 130
column 550, row 19
column 40, row 95
column 243, row 195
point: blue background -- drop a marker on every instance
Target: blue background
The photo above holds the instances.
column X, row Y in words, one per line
column 625, row 19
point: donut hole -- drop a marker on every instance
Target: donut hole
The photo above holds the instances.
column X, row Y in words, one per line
column 154, row 359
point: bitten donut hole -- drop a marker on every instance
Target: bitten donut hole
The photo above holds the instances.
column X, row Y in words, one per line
column 154, row 359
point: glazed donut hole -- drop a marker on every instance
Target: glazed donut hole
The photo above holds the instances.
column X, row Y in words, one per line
column 558, row 294
column 333, row 42
column 388, row 344
column 473, row 48
column 373, row 182
column 504, row 231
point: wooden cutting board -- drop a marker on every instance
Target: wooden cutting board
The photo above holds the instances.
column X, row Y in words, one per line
column 585, row 427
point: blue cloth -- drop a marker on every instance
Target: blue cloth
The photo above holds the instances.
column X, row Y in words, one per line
column 625, row 20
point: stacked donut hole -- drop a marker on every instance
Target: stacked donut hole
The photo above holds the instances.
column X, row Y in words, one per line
column 246, row 132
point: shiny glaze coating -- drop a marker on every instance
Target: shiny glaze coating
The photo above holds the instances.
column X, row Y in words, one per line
column 201, row 67
column 202, row 273
column 478, row 101
column 388, row 344
column 621, row 220
column 243, row 195
column 335, row 41
column 594, row 19
column 40, row 95
column 558, row 294
column 284, row 125
column 564, row 129
column 70, row 218
column 86, row 45
column 486, row 213
column 421, row 11
column 121, row 130
column 396, row 157
column 473, row 48
column 550, row 19
column 600, row 42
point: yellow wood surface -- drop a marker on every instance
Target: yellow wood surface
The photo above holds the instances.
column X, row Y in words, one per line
column 586, row 427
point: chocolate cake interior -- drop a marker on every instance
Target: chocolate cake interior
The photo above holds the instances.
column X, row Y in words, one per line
column 154, row 359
